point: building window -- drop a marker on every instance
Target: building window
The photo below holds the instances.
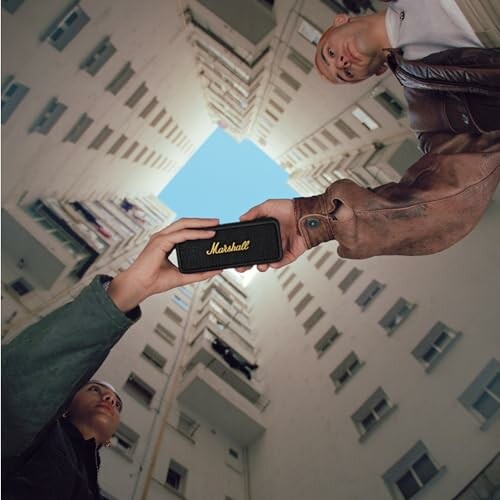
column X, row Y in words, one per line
column 312, row 253
column 313, row 319
column 289, row 80
column 176, row 476
column 276, row 106
column 186, row 291
column 274, row 117
column 165, row 334
column 303, row 303
column 334, row 268
column 326, row 341
column 482, row 397
column 330, row 137
column 99, row 57
column 282, row 94
column 173, row 315
column 149, row 107
column 412, row 473
column 67, row 29
column 121, row 79
column 171, row 132
column 21, row 286
column 139, row 390
column 346, row 130
column 180, row 302
column 125, row 440
column 154, row 357
column 310, row 32
column 101, row 138
column 364, row 118
column 79, row 128
column 117, row 145
column 369, row 294
column 158, row 117
column 319, row 144
column 138, row 94
column 336, row 6
column 148, row 159
column 372, row 412
column 166, row 125
column 345, row 371
column 323, row 259
column 141, row 154
column 434, row 345
column 130, row 150
column 390, row 104
column 396, row 315
column 11, row 5
column 49, row 117
column 300, row 61
column 186, row 425
column 288, row 280
column 351, row 277
column 12, row 94
column 295, row 290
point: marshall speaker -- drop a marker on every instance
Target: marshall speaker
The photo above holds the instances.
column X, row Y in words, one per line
column 234, row 245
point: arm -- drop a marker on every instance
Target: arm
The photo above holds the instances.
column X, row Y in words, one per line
column 438, row 201
column 45, row 365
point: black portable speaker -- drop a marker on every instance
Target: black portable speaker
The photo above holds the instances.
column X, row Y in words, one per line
column 234, row 245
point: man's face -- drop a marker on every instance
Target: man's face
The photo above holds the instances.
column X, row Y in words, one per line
column 347, row 52
column 96, row 407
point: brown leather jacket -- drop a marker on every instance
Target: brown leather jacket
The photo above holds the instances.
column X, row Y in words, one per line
column 454, row 107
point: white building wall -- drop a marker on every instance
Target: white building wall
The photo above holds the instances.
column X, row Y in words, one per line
column 151, row 36
column 311, row 449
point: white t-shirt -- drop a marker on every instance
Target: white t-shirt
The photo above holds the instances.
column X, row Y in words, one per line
column 423, row 27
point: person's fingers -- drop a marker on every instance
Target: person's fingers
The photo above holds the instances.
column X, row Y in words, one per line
column 187, row 279
column 263, row 267
column 167, row 241
column 288, row 258
column 188, row 223
column 242, row 269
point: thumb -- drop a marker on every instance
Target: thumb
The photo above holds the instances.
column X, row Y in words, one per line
column 253, row 213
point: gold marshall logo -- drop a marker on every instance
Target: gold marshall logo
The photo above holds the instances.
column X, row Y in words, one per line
column 233, row 247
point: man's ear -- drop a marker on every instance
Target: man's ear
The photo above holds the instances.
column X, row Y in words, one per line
column 381, row 70
column 340, row 19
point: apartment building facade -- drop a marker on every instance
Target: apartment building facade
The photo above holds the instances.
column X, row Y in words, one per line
column 327, row 379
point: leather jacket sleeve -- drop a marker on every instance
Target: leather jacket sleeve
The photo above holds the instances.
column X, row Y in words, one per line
column 47, row 363
column 454, row 101
column 438, row 201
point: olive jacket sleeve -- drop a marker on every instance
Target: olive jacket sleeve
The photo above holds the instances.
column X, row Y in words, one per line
column 48, row 362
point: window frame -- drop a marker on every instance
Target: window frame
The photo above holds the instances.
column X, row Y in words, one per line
column 369, row 407
column 68, row 32
column 427, row 343
column 477, row 388
column 397, row 471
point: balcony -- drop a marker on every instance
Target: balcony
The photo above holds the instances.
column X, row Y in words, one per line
column 245, row 30
column 224, row 331
column 201, row 352
column 207, row 394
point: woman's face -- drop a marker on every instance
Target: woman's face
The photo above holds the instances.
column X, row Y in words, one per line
column 95, row 411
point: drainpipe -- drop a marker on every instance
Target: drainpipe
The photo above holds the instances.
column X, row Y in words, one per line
column 175, row 375
column 248, row 495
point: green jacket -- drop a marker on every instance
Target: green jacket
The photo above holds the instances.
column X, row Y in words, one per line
column 46, row 364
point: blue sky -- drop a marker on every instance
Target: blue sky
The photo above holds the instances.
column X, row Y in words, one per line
column 224, row 179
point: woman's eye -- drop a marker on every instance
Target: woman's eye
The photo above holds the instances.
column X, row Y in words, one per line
column 94, row 388
column 330, row 52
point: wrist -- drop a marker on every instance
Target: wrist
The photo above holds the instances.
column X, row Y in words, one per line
column 125, row 293
column 314, row 218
